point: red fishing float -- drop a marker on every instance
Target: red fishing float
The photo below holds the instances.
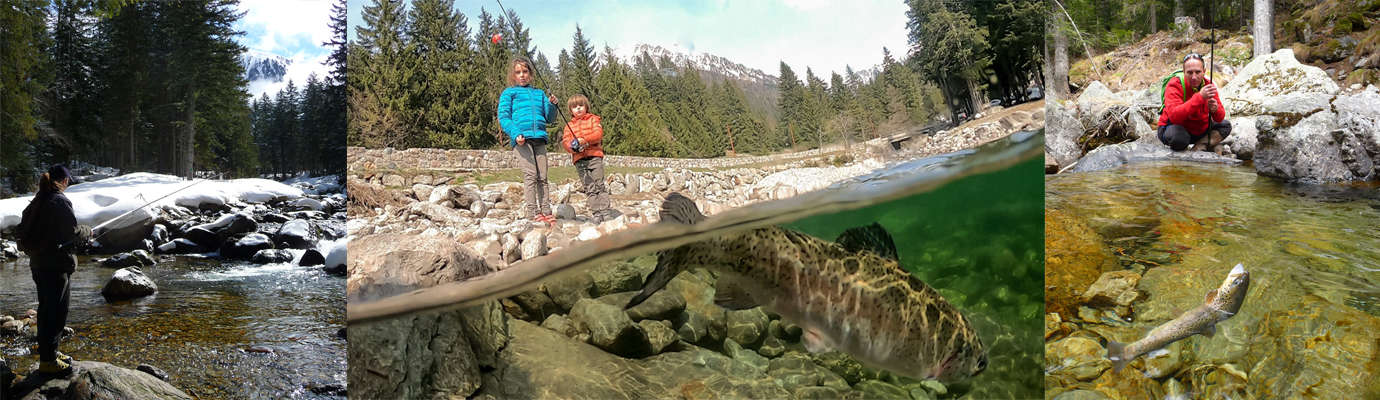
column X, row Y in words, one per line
column 497, row 37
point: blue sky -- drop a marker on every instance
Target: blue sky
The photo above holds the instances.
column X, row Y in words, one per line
column 293, row 29
column 820, row 34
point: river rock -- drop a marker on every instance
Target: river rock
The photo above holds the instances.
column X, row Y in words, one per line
column 128, row 283
column 1082, row 358
column 230, row 224
column 422, row 191
column 269, row 256
column 608, row 326
column 561, row 324
column 152, row 370
column 311, row 257
column 159, row 234
column 512, row 248
column 1244, row 137
column 13, row 327
column 202, row 237
column 534, row 244
column 245, row 247
column 1115, row 288
column 615, row 277
column 747, row 327
column 296, row 234
column 392, row 263
column 1117, row 155
column 746, row 356
column 1075, row 256
column 659, row 334
column 387, row 362
column 565, row 211
column 535, row 304
column 1082, row 394
column 306, row 203
column 1327, row 349
column 137, row 258
column 180, row 246
column 98, row 380
column 1277, row 83
column 274, row 218
column 569, row 290
column 1160, row 364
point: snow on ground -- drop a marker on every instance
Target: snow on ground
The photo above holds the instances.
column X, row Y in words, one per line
column 815, row 178
column 96, row 202
column 317, row 184
column 334, row 250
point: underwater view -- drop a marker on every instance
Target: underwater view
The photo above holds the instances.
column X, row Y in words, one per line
column 604, row 319
column 219, row 329
column 1130, row 249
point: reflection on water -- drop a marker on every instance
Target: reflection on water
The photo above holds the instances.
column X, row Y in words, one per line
column 966, row 223
column 199, row 325
column 1313, row 253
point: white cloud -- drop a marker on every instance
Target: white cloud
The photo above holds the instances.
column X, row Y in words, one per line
column 287, row 22
column 302, row 67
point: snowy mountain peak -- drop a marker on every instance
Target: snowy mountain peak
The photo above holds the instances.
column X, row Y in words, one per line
column 261, row 66
column 701, row 61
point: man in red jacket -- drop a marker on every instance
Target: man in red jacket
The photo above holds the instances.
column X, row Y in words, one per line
column 1193, row 113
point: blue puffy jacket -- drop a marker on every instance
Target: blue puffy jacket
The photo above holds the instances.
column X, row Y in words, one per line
column 524, row 110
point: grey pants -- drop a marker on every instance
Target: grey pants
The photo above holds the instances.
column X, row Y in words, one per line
column 591, row 171
column 54, row 296
column 532, row 160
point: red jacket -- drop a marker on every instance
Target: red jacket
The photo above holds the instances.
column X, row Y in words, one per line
column 1191, row 114
column 591, row 134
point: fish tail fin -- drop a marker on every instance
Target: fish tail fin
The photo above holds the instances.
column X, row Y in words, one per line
column 680, row 209
column 665, row 270
column 1116, row 351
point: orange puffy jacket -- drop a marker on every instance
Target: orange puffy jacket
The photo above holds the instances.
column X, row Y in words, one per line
column 591, row 134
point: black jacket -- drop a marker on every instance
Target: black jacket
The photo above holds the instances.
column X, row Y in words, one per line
column 54, row 224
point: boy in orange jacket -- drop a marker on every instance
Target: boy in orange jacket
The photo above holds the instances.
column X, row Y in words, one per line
column 583, row 138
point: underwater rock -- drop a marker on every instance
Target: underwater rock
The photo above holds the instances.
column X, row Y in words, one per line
column 747, row 327
column 296, row 234
column 881, row 390
column 1167, row 363
column 1082, row 394
column 1074, row 258
column 137, row 258
column 560, row 323
column 128, row 283
column 844, row 366
column 747, row 356
column 535, row 304
column 1082, row 358
column 1116, row 288
column 794, row 370
column 459, row 343
column 245, row 247
column 616, row 277
column 659, row 334
column 608, row 326
column 1312, row 348
column 569, row 290
column 819, row 393
column 268, row 256
column 392, row 263
column 98, row 380
column 771, row 347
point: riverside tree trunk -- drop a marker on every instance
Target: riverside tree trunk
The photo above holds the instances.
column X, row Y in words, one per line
column 1059, row 72
column 1154, row 26
column 1264, row 28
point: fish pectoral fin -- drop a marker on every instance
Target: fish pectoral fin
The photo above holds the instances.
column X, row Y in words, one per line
column 1210, row 330
column 871, row 238
column 730, row 294
column 815, row 342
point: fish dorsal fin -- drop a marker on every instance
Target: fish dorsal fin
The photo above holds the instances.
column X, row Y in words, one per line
column 729, row 293
column 871, row 238
column 680, row 209
column 1211, row 295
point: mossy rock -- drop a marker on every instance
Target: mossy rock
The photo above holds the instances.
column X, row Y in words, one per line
column 1364, row 76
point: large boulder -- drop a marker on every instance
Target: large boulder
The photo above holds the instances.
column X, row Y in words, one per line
column 392, row 263
column 1325, row 146
column 243, row 248
column 1062, row 129
column 128, row 283
column 1116, row 155
column 98, row 380
column 296, row 234
column 1277, row 83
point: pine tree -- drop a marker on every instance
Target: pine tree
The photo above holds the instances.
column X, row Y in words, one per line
column 381, row 67
column 73, row 95
column 579, row 77
column 21, row 31
column 632, row 124
column 332, row 158
column 792, row 105
column 442, row 90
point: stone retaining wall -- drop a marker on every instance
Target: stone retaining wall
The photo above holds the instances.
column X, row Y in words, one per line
column 362, row 159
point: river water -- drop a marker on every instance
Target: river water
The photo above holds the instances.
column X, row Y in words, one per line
column 1308, row 325
column 207, row 327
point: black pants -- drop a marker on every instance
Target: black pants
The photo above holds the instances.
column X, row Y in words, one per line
column 54, row 295
column 1178, row 138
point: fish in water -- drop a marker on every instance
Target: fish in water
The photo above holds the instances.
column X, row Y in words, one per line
column 851, row 296
column 1222, row 303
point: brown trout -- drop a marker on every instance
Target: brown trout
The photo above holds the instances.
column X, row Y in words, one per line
column 851, row 296
column 1222, row 303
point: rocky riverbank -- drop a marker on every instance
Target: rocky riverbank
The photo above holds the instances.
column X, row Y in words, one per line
column 1291, row 120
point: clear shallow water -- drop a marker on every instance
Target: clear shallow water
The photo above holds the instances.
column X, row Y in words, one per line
column 1313, row 253
column 200, row 324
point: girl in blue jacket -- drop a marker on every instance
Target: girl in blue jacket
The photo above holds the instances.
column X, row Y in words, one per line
column 523, row 112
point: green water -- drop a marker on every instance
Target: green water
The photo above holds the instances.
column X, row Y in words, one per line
column 976, row 240
column 1308, row 325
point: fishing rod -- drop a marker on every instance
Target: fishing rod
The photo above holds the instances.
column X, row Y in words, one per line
column 108, row 221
